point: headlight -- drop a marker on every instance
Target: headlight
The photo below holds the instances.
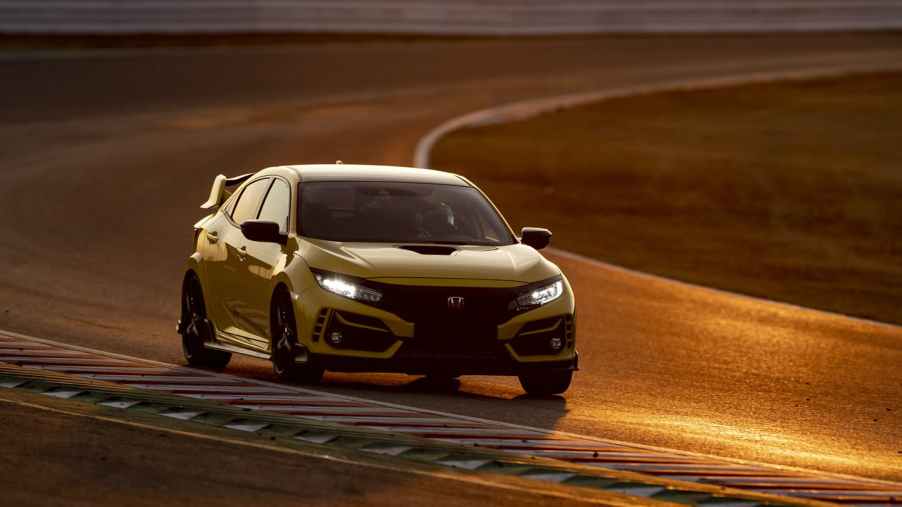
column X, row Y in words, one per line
column 539, row 296
column 338, row 285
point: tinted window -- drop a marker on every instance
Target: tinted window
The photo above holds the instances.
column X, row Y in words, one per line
column 394, row 212
column 277, row 205
column 249, row 201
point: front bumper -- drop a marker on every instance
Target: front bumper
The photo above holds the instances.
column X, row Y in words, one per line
column 375, row 340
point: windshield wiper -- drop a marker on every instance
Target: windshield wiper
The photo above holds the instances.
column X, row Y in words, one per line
column 449, row 242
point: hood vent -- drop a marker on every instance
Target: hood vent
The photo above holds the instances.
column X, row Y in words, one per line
column 429, row 249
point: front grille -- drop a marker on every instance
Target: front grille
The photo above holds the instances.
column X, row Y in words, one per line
column 445, row 330
column 453, row 339
column 481, row 305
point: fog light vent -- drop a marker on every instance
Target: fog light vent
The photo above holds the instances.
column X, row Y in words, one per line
column 541, row 337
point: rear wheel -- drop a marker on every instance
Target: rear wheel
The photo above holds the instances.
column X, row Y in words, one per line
column 285, row 346
column 197, row 329
column 546, row 383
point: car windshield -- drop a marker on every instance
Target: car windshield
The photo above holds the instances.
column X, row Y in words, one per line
column 396, row 212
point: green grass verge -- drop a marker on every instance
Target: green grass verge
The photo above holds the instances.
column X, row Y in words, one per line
column 790, row 191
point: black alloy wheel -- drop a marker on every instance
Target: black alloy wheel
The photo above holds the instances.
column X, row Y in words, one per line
column 197, row 329
column 286, row 348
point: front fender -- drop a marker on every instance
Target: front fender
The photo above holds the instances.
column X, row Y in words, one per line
column 294, row 274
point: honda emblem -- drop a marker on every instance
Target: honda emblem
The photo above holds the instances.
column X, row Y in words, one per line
column 455, row 303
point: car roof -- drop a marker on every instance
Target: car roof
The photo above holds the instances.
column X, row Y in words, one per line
column 356, row 172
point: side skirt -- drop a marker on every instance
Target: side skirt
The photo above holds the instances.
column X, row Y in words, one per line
column 236, row 350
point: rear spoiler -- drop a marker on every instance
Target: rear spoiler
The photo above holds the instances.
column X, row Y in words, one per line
column 222, row 189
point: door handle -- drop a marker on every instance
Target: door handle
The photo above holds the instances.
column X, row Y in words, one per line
column 212, row 236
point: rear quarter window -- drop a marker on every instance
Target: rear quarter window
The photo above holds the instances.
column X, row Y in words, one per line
column 249, row 201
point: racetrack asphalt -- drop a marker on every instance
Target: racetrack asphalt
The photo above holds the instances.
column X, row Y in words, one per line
column 106, row 157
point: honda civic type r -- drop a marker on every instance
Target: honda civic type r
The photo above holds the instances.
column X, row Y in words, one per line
column 373, row 268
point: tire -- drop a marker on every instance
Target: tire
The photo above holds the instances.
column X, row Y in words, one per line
column 442, row 381
column 285, row 345
column 546, row 383
column 197, row 329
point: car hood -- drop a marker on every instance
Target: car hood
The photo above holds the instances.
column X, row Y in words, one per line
column 509, row 263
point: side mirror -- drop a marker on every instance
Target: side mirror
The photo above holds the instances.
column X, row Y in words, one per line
column 535, row 237
column 263, row 230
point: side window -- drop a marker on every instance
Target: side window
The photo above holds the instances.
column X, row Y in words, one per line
column 230, row 205
column 249, row 201
column 277, row 205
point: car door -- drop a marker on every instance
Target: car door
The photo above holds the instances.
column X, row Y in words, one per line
column 262, row 258
column 232, row 274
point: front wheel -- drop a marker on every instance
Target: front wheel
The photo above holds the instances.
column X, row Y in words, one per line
column 546, row 383
column 197, row 329
column 285, row 347
column 442, row 381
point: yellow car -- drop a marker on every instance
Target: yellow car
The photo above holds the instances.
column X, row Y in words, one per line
column 373, row 268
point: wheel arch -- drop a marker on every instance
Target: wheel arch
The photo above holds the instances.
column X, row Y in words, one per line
column 281, row 288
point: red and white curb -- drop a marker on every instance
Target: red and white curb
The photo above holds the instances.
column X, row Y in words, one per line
column 30, row 352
